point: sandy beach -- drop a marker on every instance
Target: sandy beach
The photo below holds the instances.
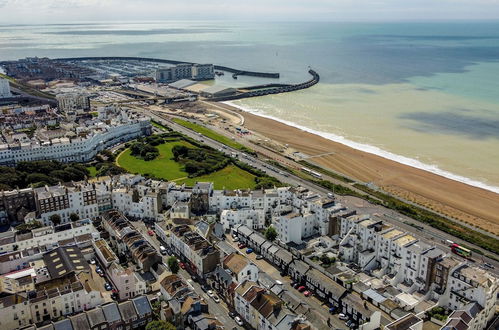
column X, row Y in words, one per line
column 467, row 203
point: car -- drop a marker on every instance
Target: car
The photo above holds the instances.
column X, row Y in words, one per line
column 332, row 310
column 250, row 250
column 241, row 245
column 150, row 233
column 301, row 288
column 348, row 323
column 108, row 286
column 239, row 321
column 259, row 256
column 296, row 285
column 92, row 261
column 342, row 316
column 101, row 274
column 210, row 293
column 205, row 288
column 182, row 265
column 307, row 293
column 353, row 325
column 216, row 299
column 232, row 315
column 236, row 239
column 162, row 249
column 278, row 282
column 488, row 265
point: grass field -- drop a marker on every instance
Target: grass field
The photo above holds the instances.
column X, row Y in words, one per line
column 92, row 170
column 211, row 134
column 158, row 125
column 230, row 177
column 164, row 167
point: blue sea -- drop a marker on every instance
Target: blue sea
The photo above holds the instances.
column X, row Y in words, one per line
column 424, row 94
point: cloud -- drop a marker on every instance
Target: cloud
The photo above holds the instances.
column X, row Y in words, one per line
column 68, row 10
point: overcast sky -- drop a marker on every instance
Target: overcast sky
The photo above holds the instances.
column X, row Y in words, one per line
column 58, row 11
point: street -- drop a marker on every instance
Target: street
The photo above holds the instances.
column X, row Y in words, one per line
column 219, row 310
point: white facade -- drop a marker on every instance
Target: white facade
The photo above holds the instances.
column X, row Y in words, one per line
column 471, row 285
column 23, row 312
column 73, row 101
column 4, row 88
column 249, row 217
column 50, row 238
column 74, row 150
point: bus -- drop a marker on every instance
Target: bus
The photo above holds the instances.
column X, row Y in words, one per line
column 460, row 251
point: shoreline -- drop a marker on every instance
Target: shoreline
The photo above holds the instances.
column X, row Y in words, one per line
column 376, row 151
column 468, row 203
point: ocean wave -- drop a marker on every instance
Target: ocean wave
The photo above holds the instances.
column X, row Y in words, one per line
column 374, row 150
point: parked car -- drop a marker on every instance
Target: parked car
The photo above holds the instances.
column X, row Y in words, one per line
column 239, row 321
column 162, row 249
column 232, row 315
column 210, row 293
column 92, row 261
column 307, row 293
column 342, row 316
column 241, row 245
column 296, row 285
column 250, row 250
column 301, row 288
column 150, row 233
column 182, row 265
column 236, row 239
column 216, row 299
column 108, row 286
column 259, row 256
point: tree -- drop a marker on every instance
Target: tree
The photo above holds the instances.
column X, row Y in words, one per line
column 173, row 264
column 271, row 234
column 55, row 219
column 74, row 217
column 160, row 325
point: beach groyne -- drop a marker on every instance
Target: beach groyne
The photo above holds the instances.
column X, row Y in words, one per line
column 262, row 90
column 237, row 72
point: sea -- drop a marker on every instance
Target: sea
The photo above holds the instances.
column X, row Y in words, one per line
column 425, row 94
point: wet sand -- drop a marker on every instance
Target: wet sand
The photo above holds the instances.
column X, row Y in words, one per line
column 470, row 204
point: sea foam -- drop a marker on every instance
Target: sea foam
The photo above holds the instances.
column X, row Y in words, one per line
column 374, row 150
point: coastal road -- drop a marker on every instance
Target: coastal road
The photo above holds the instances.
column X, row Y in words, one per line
column 431, row 234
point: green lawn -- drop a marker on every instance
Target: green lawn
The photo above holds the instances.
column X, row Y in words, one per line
column 230, row 177
column 211, row 134
column 92, row 170
column 158, row 125
column 163, row 166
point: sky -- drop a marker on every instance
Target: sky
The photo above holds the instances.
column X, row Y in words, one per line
column 66, row 11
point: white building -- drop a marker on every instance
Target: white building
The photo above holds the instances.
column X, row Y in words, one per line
column 73, row 101
column 240, row 268
column 48, row 237
column 17, row 311
column 4, row 88
column 79, row 149
column 185, row 71
column 473, row 290
column 249, row 217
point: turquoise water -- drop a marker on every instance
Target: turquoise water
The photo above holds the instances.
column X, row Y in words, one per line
column 425, row 94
